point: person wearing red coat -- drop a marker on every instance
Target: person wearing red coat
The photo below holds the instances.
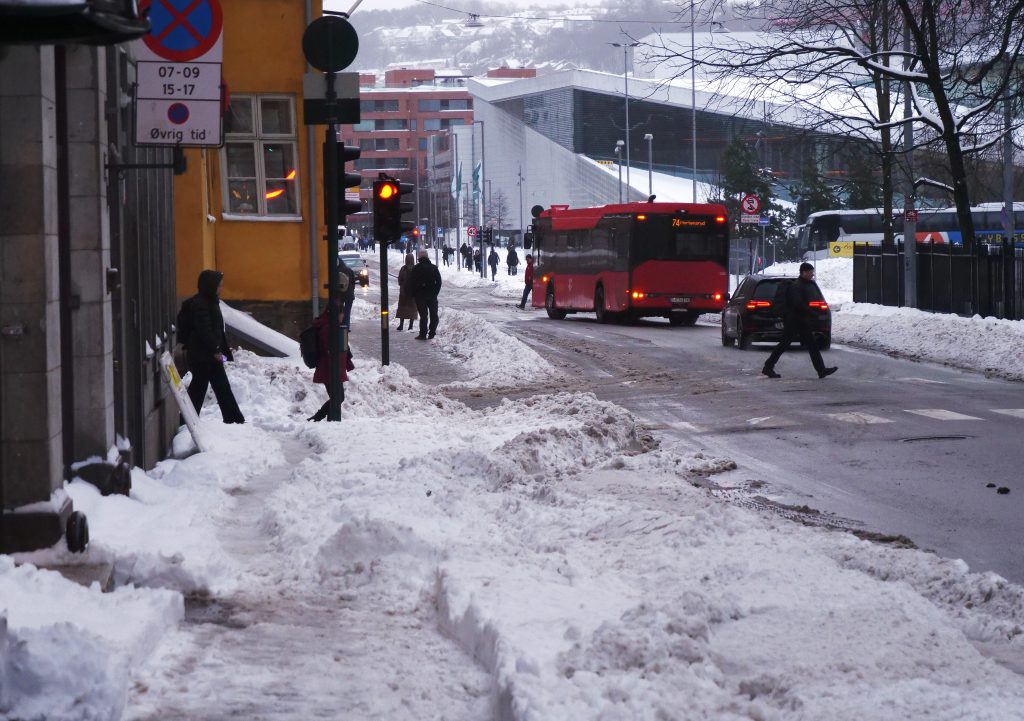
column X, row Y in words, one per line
column 322, row 373
column 528, row 279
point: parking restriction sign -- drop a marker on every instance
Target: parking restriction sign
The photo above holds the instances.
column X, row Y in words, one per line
column 178, row 91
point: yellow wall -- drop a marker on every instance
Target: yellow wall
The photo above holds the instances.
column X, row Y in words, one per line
column 260, row 259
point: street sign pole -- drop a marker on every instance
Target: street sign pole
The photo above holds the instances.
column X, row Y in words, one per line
column 333, row 291
column 385, row 349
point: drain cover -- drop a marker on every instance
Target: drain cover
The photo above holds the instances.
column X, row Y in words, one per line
column 934, row 438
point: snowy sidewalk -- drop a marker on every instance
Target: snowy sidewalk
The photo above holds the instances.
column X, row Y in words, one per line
column 539, row 560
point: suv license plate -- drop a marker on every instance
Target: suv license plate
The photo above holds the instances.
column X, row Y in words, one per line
column 681, row 301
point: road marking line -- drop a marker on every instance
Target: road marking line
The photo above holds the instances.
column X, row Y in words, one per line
column 941, row 415
column 1015, row 412
column 686, row 426
column 757, row 421
column 858, row 417
column 924, row 380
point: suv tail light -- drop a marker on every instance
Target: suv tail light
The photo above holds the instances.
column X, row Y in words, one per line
column 755, row 304
column 819, row 304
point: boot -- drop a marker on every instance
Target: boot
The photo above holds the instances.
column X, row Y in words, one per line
column 770, row 372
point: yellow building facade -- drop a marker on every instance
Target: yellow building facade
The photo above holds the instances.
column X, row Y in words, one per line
column 245, row 209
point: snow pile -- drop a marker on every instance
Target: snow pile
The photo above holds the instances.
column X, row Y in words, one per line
column 66, row 651
column 490, row 358
column 833, row 275
column 593, row 579
column 990, row 345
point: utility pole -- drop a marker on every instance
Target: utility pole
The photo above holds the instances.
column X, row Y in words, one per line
column 1009, row 221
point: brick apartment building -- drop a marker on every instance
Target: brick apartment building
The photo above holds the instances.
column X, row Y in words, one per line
column 397, row 120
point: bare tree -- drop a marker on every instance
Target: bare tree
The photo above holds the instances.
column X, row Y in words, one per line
column 958, row 60
column 497, row 211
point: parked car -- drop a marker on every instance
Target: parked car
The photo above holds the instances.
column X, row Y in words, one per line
column 355, row 261
column 753, row 314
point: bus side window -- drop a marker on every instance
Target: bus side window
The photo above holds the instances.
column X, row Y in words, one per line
column 599, row 239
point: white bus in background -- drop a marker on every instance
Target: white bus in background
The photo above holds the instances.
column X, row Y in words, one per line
column 833, row 232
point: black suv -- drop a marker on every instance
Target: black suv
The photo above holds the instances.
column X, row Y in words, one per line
column 751, row 314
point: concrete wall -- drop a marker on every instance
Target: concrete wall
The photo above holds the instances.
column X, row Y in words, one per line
column 30, row 417
column 90, row 251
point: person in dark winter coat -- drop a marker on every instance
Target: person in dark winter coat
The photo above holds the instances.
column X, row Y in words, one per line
column 528, row 279
column 466, row 252
column 478, row 261
column 322, row 374
column 207, row 347
column 512, row 261
column 406, row 302
column 798, row 324
column 348, row 291
column 425, row 283
column 493, row 260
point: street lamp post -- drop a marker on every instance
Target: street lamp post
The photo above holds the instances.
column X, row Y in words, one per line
column 625, row 79
column 618, row 164
column 693, row 98
column 522, row 228
column 650, row 163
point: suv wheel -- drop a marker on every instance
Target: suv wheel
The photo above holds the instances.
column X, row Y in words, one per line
column 726, row 339
column 742, row 339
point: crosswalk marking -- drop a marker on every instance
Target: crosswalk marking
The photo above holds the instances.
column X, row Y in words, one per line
column 940, row 414
column 687, row 427
column 1015, row 412
column 857, row 417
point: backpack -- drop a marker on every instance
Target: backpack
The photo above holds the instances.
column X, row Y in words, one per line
column 309, row 346
column 183, row 323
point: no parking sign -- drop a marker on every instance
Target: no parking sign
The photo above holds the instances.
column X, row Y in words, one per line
column 178, row 94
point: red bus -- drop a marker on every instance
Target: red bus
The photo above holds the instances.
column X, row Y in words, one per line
column 632, row 260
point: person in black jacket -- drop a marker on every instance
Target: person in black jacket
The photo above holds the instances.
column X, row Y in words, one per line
column 798, row 324
column 425, row 283
column 207, row 347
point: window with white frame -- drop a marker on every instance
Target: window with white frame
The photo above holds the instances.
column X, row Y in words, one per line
column 260, row 157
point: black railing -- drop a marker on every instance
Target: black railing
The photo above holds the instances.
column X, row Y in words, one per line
column 987, row 282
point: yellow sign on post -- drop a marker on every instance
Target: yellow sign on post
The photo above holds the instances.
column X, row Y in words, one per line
column 840, row 249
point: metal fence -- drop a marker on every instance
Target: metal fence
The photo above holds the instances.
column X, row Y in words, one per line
column 987, row 282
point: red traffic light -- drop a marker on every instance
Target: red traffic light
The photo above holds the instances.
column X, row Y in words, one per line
column 415, row 232
column 387, row 191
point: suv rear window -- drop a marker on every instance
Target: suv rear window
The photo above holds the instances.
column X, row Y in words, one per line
column 766, row 289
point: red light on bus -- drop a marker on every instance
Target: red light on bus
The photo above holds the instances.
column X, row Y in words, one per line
column 717, row 296
column 544, row 279
column 719, row 218
column 641, row 217
column 637, row 295
column 755, row 304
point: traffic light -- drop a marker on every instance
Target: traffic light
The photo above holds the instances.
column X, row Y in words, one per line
column 348, row 180
column 388, row 208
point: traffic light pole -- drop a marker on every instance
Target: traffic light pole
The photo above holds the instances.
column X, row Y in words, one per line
column 385, row 354
column 333, row 291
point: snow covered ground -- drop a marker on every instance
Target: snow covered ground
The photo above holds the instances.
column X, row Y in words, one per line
column 538, row 560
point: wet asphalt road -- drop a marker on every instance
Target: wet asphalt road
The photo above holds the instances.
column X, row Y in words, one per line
column 887, row 445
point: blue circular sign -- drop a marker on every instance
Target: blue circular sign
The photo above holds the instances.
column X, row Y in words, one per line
column 178, row 113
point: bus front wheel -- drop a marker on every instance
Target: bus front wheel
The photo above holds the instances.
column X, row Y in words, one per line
column 549, row 305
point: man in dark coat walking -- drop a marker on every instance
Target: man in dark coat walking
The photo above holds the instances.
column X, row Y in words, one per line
column 207, row 346
column 512, row 260
column 425, row 283
column 798, row 324
column 493, row 260
column 466, row 254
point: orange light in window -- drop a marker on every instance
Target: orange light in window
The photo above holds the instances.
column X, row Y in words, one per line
column 290, row 176
column 274, row 194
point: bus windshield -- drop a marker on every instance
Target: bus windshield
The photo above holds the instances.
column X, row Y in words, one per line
column 664, row 237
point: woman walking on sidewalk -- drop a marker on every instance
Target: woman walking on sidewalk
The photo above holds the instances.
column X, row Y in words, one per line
column 322, row 374
column 406, row 302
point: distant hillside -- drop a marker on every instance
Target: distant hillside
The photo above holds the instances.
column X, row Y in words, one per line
column 547, row 38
